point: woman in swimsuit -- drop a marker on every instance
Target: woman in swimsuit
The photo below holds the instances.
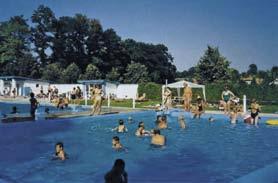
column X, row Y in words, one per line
column 226, row 96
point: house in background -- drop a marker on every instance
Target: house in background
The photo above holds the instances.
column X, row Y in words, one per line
column 22, row 86
column 248, row 80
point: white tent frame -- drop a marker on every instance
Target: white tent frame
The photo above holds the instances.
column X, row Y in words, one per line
column 180, row 84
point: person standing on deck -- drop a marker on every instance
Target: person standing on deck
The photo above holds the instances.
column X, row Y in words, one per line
column 168, row 98
column 226, row 97
column 97, row 101
column 187, row 96
column 34, row 105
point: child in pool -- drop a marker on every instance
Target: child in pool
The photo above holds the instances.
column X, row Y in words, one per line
column 121, row 128
column 182, row 121
column 116, row 143
column 255, row 109
column 140, row 132
column 59, row 151
column 162, row 122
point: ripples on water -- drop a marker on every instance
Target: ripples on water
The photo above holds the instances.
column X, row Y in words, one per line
column 203, row 152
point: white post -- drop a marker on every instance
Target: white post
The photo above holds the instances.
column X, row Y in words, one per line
column 108, row 102
column 2, row 87
column 85, row 94
column 133, row 102
column 13, row 86
column 244, row 103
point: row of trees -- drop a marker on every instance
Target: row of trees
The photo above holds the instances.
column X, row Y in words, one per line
column 215, row 68
column 66, row 49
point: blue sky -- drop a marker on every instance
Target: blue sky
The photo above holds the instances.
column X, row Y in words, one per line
column 246, row 31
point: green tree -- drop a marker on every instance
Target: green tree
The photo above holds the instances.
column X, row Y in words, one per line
column 114, row 75
column 252, row 69
column 70, row 74
column 155, row 57
column 136, row 73
column 92, row 72
column 52, row 72
column 42, row 34
column 212, row 66
column 15, row 35
column 274, row 72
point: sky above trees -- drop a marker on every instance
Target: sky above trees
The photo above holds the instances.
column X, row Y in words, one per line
column 244, row 31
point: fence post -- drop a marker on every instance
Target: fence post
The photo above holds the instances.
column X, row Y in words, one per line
column 133, row 103
column 108, row 102
column 244, row 103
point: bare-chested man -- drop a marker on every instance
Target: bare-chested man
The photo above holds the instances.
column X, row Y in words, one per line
column 187, row 96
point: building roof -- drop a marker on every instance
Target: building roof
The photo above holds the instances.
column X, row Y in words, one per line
column 22, row 78
column 96, row 82
column 180, row 84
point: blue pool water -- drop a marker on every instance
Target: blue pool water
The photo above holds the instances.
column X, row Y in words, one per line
column 205, row 152
column 24, row 108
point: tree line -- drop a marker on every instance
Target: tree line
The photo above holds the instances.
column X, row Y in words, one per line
column 65, row 49
column 68, row 48
column 215, row 68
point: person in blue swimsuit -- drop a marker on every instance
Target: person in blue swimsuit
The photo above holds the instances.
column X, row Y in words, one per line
column 226, row 97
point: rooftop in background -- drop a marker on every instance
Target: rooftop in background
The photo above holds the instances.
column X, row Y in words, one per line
column 22, row 78
column 96, row 82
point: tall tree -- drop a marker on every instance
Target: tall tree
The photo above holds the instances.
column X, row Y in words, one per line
column 252, row 69
column 52, row 72
column 155, row 57
column 42, row 35
column 136, row 73
column 71, row 74
column 212, row 66
column 92, row 72
column 114, row 75
column 15, row 45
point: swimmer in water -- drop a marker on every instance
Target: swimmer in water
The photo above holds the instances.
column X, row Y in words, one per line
column 130, row 120
column 59, row 151
column 140, row 132
column 161, row 122
column 121, row 128
column 211, row 119
column 116, row 143
column 14, row 110
column 181, row 120
column 199, row 109
column 117, row 174
column 255, row 109
column 158, row 139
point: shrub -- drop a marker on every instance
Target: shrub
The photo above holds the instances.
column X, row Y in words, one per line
column 152, row 90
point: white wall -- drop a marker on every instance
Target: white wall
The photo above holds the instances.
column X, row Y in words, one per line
column 127, row 91
column 65, row 88
column 110, row 88
column 30, row 86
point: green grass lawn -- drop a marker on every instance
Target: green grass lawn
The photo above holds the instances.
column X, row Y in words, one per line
column 128, row 103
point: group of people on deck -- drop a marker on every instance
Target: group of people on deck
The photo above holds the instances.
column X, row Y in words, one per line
column 196, row 109
column 229, row 102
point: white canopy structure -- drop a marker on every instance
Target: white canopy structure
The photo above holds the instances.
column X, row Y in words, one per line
column 180, row 84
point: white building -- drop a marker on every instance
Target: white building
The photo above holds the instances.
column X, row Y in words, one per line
column 21, row 85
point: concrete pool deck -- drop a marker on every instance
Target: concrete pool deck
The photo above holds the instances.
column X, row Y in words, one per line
column 105, row 109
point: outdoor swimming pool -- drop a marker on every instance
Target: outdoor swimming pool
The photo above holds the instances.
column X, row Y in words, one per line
column 205, row 152
column 24, row 108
